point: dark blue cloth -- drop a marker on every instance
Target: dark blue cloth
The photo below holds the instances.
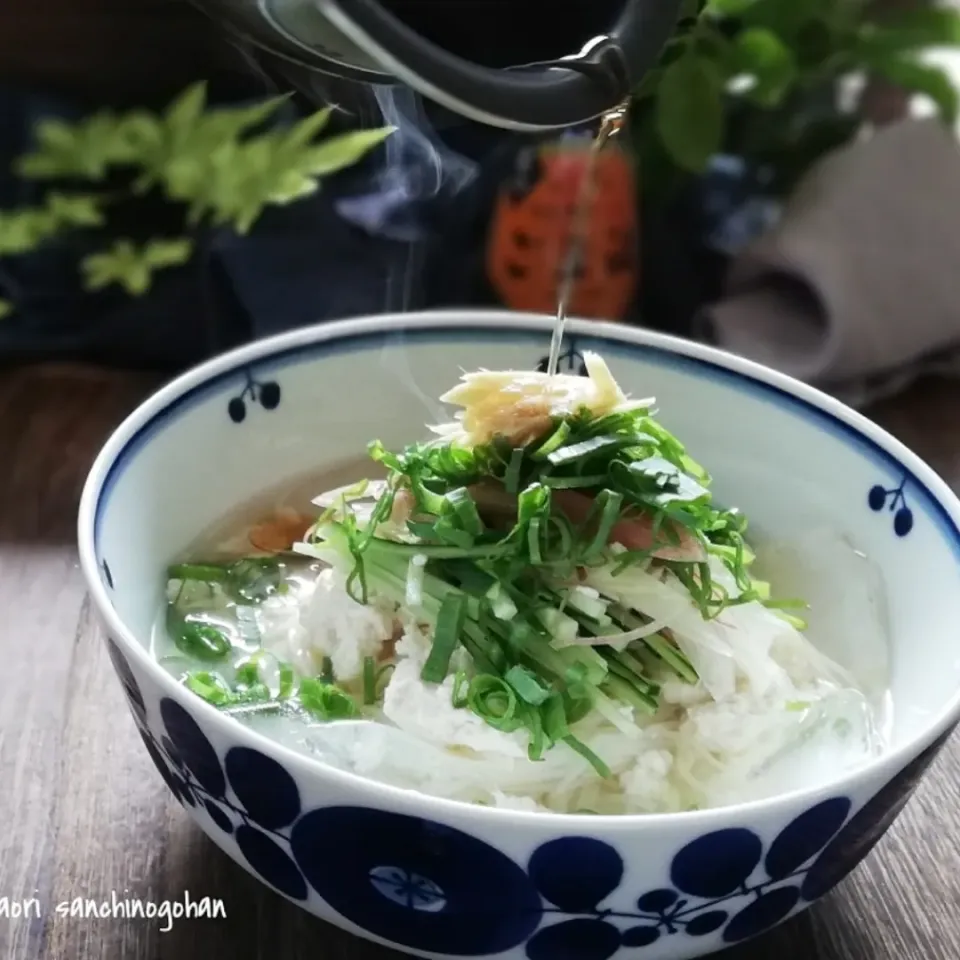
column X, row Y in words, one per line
column 387, row 235
column 351, row 249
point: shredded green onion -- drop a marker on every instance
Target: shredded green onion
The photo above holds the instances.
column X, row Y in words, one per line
column 211, row 686
column 369, row 681
column 446, row 637
column 580, row 747
column 503, row 581
column 526, row 685
column 511, row 479
column 494, row 700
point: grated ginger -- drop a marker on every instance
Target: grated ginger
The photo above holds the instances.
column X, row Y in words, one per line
column 521, row 405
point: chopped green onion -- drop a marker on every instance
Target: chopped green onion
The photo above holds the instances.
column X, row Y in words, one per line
column 369, row 681
column 577, row 707
column 326, row 701
column 573, row 482
column 211, row 686
column 205, row 572
column 538, row 740
column 528, row 688
column 511, row 479
column 247, row 674
column 532, row 502
column 670, row 655
column 465, row 508
column 202, row 641
column 286, row 681
column 427, row 500
column 553, row 716
column 446, row 529
column 580, row 747
column 471, row 578
column 583, row 449
column 494, row 700
column 786, row 604
column 533, row 541
column 621, row 686
column 553, row 441
column 607, row 505
column 446, row 636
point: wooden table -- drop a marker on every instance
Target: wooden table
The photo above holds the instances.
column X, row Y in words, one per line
column 84, row 813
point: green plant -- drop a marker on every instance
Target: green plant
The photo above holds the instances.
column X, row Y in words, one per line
column 218, row 167
column 758, row 78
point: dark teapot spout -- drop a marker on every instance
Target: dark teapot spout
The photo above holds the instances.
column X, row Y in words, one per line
column 436, row 48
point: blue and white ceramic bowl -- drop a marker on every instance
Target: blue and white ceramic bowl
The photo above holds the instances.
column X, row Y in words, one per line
column 442, row 879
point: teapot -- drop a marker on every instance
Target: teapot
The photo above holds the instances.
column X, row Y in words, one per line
column 522, row 65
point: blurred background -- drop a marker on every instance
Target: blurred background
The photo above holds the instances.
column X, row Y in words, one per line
column 785, row 188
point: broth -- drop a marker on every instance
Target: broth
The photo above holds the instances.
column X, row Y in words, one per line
column 818, row 745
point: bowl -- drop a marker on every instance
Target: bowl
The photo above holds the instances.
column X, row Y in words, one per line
column 438, row 878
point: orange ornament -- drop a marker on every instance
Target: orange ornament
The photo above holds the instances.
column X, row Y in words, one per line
column 531, row 233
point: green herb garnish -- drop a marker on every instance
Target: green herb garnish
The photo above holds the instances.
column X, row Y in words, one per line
column 495, row 554
column 203, row 641
column 211, row 686
column 369, row 681
column 326, row 701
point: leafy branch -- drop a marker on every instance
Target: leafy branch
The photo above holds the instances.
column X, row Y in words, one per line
column 220, row 167
column 758, row 78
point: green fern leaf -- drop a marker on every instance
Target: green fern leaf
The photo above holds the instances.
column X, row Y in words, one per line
column 132, row 268
column 85, row 149
column 183, row 115
column 179, row 157
column 292, row 186
column 340, row 152
column 303, row 132
column 23, row 231
column 168, row 253
column 228, row 123
column 6, row 309
column 75, row 209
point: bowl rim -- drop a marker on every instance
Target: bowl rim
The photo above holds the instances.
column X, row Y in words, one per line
column 386, row 795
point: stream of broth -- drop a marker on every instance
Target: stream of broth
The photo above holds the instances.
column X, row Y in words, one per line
column 570, row 268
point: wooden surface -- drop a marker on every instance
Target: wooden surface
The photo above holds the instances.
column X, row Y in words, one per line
column 83, row 812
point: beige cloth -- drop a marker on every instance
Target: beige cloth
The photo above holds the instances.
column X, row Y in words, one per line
column 857, row 289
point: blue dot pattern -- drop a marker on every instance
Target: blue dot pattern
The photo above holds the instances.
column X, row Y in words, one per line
column 894, row 500
column 267, row 393
column 429, row 887
column 416, row 883
column 426, row 886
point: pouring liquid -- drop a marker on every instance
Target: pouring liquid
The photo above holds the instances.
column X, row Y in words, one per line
column 570, row 270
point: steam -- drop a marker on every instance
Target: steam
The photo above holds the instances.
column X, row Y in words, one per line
column 417, row 168
column 418, row 171
column 404, row 185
